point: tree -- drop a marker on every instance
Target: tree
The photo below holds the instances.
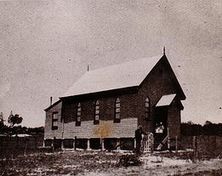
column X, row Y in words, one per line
column 191, row 129
column 1, row 124
column 1, row 119
column 14, row 119
column 208, row 122
column 190, row 122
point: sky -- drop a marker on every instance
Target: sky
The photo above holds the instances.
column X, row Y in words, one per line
column 45, row 46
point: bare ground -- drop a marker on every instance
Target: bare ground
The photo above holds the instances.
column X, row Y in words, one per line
column 105, row 164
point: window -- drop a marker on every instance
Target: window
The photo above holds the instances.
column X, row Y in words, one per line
column 96, row 118
column 147, row 108
column 78, row 115
column 117, row 111
column 54, row 120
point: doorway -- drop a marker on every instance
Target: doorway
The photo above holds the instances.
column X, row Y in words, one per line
column 160, row 125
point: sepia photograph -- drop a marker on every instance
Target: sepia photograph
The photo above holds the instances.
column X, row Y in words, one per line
column 110, row 87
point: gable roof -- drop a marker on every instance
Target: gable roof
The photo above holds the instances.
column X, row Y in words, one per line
column 128, row 74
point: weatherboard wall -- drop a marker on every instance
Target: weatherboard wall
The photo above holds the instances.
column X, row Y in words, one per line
column 49, row 133
column 106, row 127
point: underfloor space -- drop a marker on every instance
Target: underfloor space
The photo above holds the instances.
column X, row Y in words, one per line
column 92, row 143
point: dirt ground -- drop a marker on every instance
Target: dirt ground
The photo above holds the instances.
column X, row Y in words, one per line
column 82, row 163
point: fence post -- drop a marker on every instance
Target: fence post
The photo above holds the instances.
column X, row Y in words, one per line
column 74, row 143
column 25, row 150
column 195, row 146
column 168, row 139
column 176, row 144
column 62, row 143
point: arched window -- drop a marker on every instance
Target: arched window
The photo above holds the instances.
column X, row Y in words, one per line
column 96, row 118
column 147, row 108
column 117, row 111
column 78, row 115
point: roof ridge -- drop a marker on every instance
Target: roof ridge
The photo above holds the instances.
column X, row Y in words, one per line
column 122, row 63
column 116, row 76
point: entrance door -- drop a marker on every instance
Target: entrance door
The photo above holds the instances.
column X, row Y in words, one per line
column 160, row 125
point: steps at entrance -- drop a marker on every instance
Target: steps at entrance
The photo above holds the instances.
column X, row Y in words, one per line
column 164, row 141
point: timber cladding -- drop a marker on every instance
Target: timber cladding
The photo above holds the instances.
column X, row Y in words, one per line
column 105, row 129
column 49, row 133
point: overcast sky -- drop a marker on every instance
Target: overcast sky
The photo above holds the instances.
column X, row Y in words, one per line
column 46, row 45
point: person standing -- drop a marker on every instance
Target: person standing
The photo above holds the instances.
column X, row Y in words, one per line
column 138, row 136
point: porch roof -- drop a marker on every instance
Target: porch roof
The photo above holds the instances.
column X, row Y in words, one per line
column 166, row 100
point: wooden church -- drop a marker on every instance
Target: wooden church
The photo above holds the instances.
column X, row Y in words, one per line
column 105, row 106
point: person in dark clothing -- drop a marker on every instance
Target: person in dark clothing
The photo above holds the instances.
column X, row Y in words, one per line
column 138, row 137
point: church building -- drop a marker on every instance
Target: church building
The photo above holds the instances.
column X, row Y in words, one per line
column 105, row 106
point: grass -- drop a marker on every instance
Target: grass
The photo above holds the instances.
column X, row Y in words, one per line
column 101, row 163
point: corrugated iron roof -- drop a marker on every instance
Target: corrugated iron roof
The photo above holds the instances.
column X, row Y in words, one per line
column 128, row 74
column 166, row 100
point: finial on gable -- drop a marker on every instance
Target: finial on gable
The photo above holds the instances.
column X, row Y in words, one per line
column 164, row 50
column 87, row 68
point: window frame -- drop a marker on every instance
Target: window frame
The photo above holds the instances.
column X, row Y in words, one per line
column 78, row 114
column 117, row 110
column 55, row 120
column 96, row 112
column 147, row 108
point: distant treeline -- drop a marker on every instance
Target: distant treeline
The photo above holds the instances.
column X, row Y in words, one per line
column 21, row 130
column 209, row 128
column 187, row 129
